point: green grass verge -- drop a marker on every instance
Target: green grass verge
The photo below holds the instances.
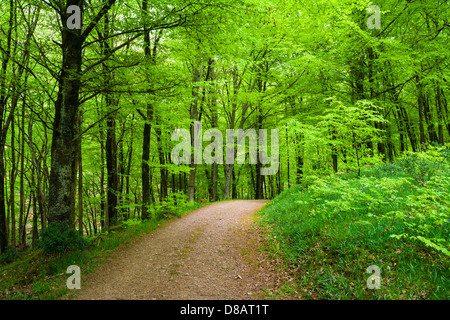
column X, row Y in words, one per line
column 35, row 275
column 395, row 216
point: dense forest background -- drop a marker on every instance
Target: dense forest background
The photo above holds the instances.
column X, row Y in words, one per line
column 87, row 114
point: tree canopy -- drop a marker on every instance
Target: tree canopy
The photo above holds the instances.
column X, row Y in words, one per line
column 87, row 114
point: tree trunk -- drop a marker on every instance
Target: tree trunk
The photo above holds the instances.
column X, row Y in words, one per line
column 194, row 117
column 162, row 161
column 22, row 190
column 409, row 129
column 102, row 179
column 440, row 114
column 3, row 227
column 214, row 124
column 111, row 169
column 150, row 57
column 299, row 164
column 80, row 179
column 35, row 214
column 62, row 181
column 64, row 146
column 3, row 101
column 145, row 172
column 127, row 183
column 334, row 155
column 12, row 204
column 420, row 105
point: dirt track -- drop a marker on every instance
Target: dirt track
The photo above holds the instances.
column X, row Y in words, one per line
column 212, row 253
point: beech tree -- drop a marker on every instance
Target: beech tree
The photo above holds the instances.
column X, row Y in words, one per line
column 91, row 91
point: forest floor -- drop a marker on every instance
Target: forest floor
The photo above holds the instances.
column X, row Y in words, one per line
column 215, row 252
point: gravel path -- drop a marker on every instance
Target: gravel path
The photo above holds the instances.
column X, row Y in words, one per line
column 211, row 253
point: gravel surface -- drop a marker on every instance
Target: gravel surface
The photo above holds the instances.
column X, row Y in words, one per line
column 211, row 253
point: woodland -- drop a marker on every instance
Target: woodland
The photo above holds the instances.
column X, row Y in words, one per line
column 87, row 114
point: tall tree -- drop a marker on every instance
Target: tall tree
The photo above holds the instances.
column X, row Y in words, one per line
column 64, row 144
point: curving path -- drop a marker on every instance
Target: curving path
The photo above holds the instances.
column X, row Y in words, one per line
column 211, row 253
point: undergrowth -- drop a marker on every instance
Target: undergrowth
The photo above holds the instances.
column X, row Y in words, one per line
column 395, row 216
column 40, row 273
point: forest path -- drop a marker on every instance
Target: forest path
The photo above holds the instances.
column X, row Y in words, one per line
column 211, row 253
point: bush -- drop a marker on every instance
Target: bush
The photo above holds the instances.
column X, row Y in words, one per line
column 422, row 166
column 173, row 205
column 8, row 256
column 59, row 237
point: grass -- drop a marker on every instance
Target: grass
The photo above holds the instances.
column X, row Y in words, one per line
column 394, row 216
column 35, row 275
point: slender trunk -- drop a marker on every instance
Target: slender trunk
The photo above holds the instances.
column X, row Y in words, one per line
column 3, row 227
column 12, row 204
column 390, row 152
column 111, row 169
column 121, row 165
column 259, row 177
column 229, row 167
column 334, row 155
column 173, row 188
column 446, row 115
column 150, row 57
column 401, row 129
column 288, row 159
column 299, row 163
column 381, row 147
column 420, row 105
column 214, row 124
column 280, row 182
column 428, row 114
column 234, row 186
column 80, row 180
column 145, row 173
column 102, row 181
column 112, row 180
column 439, row 110
column 37, row 171
column 355, row 145
column 162, row 162
column 127, row 183
column 194, row 117
column 35, row 214
column 3, row 101
column 22, row 190
column 409, row 128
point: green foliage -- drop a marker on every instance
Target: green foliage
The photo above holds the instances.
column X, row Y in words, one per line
column 424, row 165
column 59, row 237
column 396, row 216
column 340, row 89
column 8, row 256
column 170, row 206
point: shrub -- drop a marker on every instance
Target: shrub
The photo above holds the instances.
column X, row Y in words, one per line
column 59, row 237
column 422, row 166
column 169, row 206
column 8, row 256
